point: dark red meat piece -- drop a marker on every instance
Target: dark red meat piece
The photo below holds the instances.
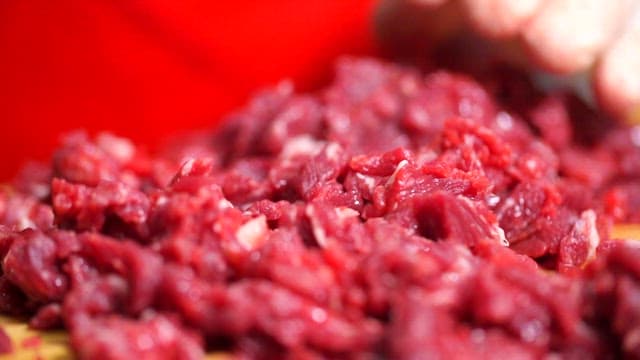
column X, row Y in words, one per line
column 6, row 346
column 47, row 317
column 31, row 264
column 155, row 337
column 389, row 215
column 19, row 211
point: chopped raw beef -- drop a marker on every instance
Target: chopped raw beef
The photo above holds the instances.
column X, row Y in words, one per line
column 390, row 215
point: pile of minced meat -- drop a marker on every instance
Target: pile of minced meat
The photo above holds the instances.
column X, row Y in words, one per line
column 392, row 214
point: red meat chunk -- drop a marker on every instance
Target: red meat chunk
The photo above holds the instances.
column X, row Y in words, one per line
column 392, row 214
column 154, row 337
column 6, row 346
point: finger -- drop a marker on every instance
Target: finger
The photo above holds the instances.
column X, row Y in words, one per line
column 565, row 36
column 500, row 18
column 617, row 76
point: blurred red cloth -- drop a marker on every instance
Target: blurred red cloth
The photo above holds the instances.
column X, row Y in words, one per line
column 148, row 68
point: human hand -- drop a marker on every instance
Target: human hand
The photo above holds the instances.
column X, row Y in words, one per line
column 559, row 36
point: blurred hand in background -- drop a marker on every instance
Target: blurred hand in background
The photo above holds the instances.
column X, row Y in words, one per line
column 559, row 36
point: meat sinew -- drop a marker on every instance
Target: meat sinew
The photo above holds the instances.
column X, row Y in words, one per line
column 391, row 215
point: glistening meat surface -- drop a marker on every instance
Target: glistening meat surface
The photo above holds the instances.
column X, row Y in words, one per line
column 391, row 215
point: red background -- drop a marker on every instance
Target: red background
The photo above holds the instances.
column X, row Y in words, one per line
column 148, row 68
